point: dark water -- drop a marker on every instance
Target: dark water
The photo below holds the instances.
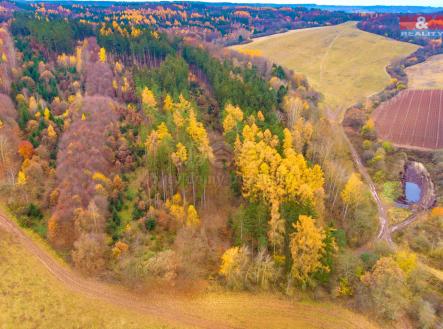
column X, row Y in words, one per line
column 412, row 192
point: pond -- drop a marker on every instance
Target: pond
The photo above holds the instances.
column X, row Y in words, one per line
column 412, row 192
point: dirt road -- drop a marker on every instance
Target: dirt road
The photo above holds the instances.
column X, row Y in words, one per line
column 384, row 233
column 161, row 309
column 385, row 230
column 406, row 222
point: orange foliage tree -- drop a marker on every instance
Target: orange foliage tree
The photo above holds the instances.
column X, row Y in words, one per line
column 26, row 150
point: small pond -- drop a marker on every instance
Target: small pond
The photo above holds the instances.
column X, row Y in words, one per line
column 412, row 192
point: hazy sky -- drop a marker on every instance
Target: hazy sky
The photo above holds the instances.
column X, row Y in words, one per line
column 435, row 3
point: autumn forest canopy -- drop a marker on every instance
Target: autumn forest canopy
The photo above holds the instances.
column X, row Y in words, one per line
column 148, row 154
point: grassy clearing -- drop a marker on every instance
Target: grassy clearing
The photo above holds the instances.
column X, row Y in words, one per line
column 243, row 310
column 343, row 62
column 432, row 270
column 426, row 75
column 392, row 191
column 397, row 215
column 32, row 297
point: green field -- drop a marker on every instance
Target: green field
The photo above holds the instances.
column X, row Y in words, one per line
column 31, row 297
column 342, row 62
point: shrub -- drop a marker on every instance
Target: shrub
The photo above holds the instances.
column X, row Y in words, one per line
column 163, row 265
column 420, row 243
column 368, row 155
column 362, row 223
column 379, row 158
column 367, row 144
column 406, row 261
column 369, row 259
column 31, row 216
column 137, row 213
column 368, row 129
column 388, row 147
column 392, row 190
column 426, row 315
column 194, row 253
column 348, row 269
column 234, row 267
column 379, row 176
column 437, row 157
column 386, row 289
column 437, row 255
column 150, row 224
column 88, row 254
column 241, row 272
column 263, row 273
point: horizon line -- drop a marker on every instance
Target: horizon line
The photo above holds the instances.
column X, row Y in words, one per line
column 239, row 3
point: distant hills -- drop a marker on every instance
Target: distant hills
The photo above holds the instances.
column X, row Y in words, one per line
column 350, row 9
column 378, row 9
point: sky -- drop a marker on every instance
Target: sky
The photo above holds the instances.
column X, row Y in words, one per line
column 434, row 3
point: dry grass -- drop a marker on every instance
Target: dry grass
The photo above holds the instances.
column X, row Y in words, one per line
column 342, row 62
column 426, row 75
column 397, row 214
column 432, row 270
column 32, row 297
column 243, row 310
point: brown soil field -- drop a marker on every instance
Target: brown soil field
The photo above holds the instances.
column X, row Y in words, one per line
column 412, row 119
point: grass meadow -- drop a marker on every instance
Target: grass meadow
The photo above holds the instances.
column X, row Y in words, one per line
column 426, row 75
column 342, row 62
column 31, row 297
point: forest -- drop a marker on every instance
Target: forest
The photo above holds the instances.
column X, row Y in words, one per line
column 389, row 25
column 223, row 24
column 147, row 156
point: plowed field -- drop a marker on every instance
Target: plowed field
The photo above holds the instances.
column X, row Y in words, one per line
column 412, row 119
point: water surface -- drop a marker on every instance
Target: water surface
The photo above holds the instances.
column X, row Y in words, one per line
column 412, row 192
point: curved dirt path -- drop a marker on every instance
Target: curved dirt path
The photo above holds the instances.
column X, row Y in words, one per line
column 384, row 233
column 159, row 309
column 409, row 220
